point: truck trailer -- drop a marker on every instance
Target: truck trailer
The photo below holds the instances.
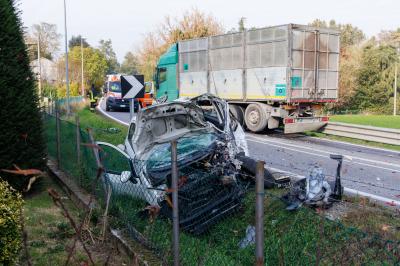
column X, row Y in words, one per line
column 273, row 76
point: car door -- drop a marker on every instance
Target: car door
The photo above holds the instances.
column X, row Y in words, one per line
column 119, row 171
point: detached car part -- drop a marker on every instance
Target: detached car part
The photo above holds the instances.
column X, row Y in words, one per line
column 314, row 190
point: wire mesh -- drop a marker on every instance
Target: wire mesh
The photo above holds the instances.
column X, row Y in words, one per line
column 216, row 209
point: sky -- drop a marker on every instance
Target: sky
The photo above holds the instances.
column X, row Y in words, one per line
column 126, row 21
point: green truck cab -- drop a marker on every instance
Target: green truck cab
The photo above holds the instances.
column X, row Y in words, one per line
column 166, row 74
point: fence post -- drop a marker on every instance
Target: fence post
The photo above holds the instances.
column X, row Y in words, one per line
column 260, row 213
column 78, row 144
column 58, row 137
column 175, row 213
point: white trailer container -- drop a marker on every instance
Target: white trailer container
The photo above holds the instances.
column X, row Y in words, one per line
column 271, row 76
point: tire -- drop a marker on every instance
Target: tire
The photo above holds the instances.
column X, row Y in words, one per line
column 256, row 116
column 238, row 112
column 108, row 108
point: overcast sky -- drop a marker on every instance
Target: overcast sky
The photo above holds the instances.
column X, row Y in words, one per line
column 125, row 21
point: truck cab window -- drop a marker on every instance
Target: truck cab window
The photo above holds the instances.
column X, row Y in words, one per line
column 162, row 74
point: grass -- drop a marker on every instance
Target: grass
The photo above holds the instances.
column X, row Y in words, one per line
column 386, row 121
column 290, row 237
column 50, row 234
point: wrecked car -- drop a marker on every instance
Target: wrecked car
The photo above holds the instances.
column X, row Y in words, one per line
column 214, row 169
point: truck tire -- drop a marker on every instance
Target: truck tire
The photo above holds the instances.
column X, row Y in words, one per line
column 238, row 112
column 256, row 116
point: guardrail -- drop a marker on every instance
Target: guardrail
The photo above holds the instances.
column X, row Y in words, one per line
column 369, row 133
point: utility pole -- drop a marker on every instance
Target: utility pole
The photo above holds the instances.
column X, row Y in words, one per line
column 83, row 86
column 395, row 81
column 395, row 91
column 40, row 68
column 66, row 57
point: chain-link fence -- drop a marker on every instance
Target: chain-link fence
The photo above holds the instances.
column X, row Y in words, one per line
column 216, row 209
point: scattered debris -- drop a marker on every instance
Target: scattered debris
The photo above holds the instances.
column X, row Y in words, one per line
column 315, row 190
column 250, row 238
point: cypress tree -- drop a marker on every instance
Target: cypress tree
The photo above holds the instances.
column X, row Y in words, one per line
column 21, row 130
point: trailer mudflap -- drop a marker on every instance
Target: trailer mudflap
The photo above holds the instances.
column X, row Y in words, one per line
column 302, row 124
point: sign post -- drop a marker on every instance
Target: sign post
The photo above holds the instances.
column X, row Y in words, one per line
column 132, row 87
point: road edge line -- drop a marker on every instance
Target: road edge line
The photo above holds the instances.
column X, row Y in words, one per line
column 99, row 109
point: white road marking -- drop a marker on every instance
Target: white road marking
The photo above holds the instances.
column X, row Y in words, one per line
column 358, row 145
column 325, row 156
column 109, row 116
column 321, row 151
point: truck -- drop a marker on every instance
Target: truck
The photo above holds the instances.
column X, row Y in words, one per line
column 271, row 77
column 113, row 97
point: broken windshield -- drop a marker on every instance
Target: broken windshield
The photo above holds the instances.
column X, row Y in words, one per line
column 189, row 148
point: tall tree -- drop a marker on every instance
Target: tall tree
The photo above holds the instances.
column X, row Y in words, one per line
column 241, row 23
column 21, row 131
column 130, row 64
column 49, row 38
column 193, row 24
column 350, row 35
column 105, row 46
column 76, row 41
column 95, row 68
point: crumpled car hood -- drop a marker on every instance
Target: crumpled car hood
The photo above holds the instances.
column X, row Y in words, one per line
column 166, row 122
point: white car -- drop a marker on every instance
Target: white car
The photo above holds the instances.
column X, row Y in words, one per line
column 212, row 160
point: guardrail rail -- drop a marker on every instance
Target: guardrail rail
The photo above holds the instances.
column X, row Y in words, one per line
column 369, row 133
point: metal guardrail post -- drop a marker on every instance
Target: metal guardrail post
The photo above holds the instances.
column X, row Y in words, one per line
column 175, row 213
column 78, row 144
column 260, row 213
column 58, row 136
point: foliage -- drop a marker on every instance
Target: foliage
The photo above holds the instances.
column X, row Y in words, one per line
column 130, row 64
column 193, row 24
column 10, row 223
column 21, row 138
column 375, row 77
column 350, row 35
column 49, row 39
column 94, row 68
column 105, row 47
column 76, row 41
column 386, row 121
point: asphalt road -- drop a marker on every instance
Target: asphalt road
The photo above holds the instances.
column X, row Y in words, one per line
column 367, row 171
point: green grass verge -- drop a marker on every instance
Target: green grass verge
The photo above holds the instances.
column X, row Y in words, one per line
column 49, row 232
column 386, row 121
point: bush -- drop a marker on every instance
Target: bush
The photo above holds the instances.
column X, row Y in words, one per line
column 10, row 223
column 21, row 130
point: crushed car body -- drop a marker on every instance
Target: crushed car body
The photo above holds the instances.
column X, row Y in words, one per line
column 213, row 163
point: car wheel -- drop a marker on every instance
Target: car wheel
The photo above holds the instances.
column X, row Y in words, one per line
column 107, row 108
column 256, row 116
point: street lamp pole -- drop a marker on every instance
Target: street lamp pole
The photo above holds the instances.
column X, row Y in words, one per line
column 395, row 82
column 66, row 57
column 40, row 68
column 395, row 90
column 83, row 86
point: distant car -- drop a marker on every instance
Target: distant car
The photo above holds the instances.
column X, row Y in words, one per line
column 113, row 96
column 212, row 157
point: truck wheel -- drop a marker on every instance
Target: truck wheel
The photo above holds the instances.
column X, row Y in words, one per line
column 238, row 112
column 256, row 116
